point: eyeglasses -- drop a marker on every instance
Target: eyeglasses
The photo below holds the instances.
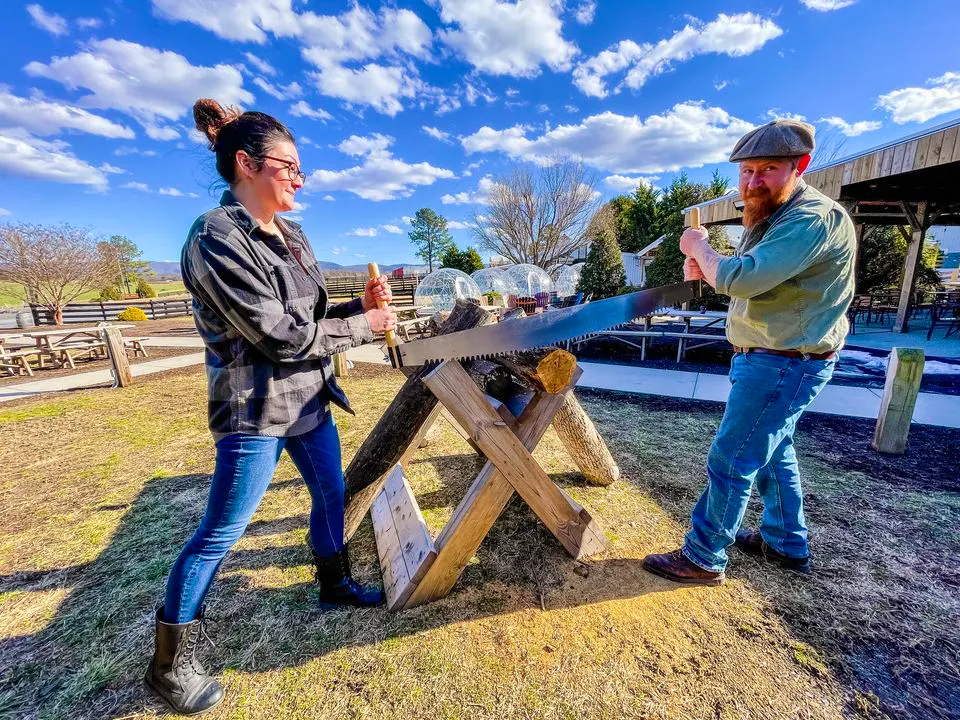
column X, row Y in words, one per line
column 293, row 171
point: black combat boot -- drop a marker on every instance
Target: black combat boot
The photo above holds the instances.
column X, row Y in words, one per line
column 337, row 586
column 175, row 673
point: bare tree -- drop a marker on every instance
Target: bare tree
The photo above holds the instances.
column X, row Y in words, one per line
column 540, row 215
column 55, row 265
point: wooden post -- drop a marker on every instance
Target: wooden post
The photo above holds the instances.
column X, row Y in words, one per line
column 121, row 367
column 340, row 364
column 904, row 373
column 918, row 225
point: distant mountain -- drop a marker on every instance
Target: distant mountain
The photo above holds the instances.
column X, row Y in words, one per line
column 173, row 268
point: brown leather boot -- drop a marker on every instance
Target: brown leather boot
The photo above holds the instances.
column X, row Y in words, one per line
column 752, row 543
column 676, row 567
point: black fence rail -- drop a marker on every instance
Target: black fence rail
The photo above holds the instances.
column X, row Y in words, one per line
column 87, row 312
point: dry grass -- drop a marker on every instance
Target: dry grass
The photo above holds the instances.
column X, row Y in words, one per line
column 99, row 491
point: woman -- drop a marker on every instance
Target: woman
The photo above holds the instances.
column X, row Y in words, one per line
column 260, row 305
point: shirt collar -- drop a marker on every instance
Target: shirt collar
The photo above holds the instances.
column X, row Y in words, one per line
column 242, row 217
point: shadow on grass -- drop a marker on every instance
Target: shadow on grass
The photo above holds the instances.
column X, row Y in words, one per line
column 88, row 659
column 881, row 606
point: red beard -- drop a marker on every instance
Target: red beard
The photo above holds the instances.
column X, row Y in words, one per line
column 760, row 203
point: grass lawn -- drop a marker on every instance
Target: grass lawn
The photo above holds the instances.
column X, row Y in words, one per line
column 100, row 489
column 11, row 294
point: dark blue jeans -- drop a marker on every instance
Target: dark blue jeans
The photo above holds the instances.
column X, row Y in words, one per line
column 755, row 445
column 244, row 467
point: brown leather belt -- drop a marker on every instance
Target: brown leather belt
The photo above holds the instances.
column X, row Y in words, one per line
column 796, row 354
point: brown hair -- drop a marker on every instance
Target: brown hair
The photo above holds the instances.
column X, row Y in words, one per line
column 230, row 131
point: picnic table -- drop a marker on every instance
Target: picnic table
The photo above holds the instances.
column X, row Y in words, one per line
column 706, row 319
column 58, row 344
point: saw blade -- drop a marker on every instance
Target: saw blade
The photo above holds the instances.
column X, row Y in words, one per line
column 573, row 323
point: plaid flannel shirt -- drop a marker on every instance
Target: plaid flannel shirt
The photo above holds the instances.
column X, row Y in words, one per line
column 266, row 325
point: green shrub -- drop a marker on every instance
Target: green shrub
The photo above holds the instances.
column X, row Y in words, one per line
column 145, row 289
column 132, row 314
column 493, row 297
column 111, row 293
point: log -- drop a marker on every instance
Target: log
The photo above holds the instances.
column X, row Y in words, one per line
column 547, row 369
column 118, row 356
column 586, row 448
column 399, row 426
column 904, row 375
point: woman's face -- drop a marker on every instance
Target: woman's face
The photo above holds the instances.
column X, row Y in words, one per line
column 275, row 184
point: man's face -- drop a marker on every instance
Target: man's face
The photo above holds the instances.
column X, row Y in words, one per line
column 765, row 184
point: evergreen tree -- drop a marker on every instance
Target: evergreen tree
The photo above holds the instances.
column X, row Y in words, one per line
column 430, row 236
column 880, row 260
column 603, row 273
column 468, row 261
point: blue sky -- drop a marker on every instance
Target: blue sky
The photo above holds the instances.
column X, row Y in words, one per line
column 402, row 105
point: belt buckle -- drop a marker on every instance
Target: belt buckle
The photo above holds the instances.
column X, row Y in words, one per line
column 805, row 356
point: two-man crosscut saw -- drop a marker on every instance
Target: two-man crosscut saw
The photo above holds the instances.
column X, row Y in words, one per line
column 549, row 328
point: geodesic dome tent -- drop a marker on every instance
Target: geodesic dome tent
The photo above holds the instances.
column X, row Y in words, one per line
column 494, row 280
column 565, row 280
column 529, row 279
column 442, row 288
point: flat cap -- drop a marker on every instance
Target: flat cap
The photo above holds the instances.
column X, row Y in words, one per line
column 776, row 139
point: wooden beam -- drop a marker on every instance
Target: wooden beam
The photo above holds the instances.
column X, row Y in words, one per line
column 913, row 259
column 904, row 373
column 569, row 523
column 118, row 356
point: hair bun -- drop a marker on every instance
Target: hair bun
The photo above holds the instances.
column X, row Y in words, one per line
column 210, row 117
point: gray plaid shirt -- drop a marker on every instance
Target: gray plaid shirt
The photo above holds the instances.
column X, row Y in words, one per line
column 266, row 325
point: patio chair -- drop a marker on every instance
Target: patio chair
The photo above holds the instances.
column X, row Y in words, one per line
column 945, row 312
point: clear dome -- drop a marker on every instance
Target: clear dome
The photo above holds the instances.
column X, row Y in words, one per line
column 442, row 288
column 494, row 280
column 530, row 279
column 565, row 280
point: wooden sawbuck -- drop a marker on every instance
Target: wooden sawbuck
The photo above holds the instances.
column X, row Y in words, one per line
column 502, row 407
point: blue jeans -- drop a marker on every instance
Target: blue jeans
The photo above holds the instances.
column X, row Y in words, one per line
column 244, row 467
column 755, row 444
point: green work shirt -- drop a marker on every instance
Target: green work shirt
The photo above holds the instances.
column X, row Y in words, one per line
column 791, row 280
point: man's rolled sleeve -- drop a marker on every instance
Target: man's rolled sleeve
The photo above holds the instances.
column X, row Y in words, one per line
column 785, row 251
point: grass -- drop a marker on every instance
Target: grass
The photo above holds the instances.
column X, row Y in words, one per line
column 99, row 491
column 11, row 294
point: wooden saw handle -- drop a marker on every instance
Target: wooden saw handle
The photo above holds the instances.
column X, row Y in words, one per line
column 391, row 336
column 695, row 223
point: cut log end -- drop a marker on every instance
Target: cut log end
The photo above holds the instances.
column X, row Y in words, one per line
column 556, row 370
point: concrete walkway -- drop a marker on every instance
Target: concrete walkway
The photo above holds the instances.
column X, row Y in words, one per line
column 931, row 409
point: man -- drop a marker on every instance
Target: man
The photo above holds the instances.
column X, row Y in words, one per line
column 790, row 283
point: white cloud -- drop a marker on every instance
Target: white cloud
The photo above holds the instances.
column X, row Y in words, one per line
column 173, row 192
column 329, row 198
column 381, row 176
column 392, row 229
column 245, row 20
column 360, row 145
column 4, row 211
column 622, row 183
column 507, row 38
column 111, row 169
column 571, row 108
column 363, row 232
column 407, row 219
column 543, row 107
column 142, row 187
column 40, row 116
column 260, row 64
column 379, row 86
column 161, row 132
column 732, row 35
column 851, row 129
column 302, row 109
column 281, row 92
column 148, row 84
column 720, row 85
column 49, row 22
column 127, row 150
column 23, row 155
column 88, row 23
column 778, row 114
column 480, row 196
column 437, row 133
column 457, row 225
column 919, row 104
column 339, row 249
column 585, row 11
column 827, row 5
column 690, row 134
column 512, row 92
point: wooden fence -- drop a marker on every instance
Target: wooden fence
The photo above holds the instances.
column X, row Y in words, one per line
column 87, row 312
column 339, row 287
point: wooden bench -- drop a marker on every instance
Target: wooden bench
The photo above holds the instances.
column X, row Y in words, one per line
column 420, row 326
column 136, row 345
column 16, row 361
